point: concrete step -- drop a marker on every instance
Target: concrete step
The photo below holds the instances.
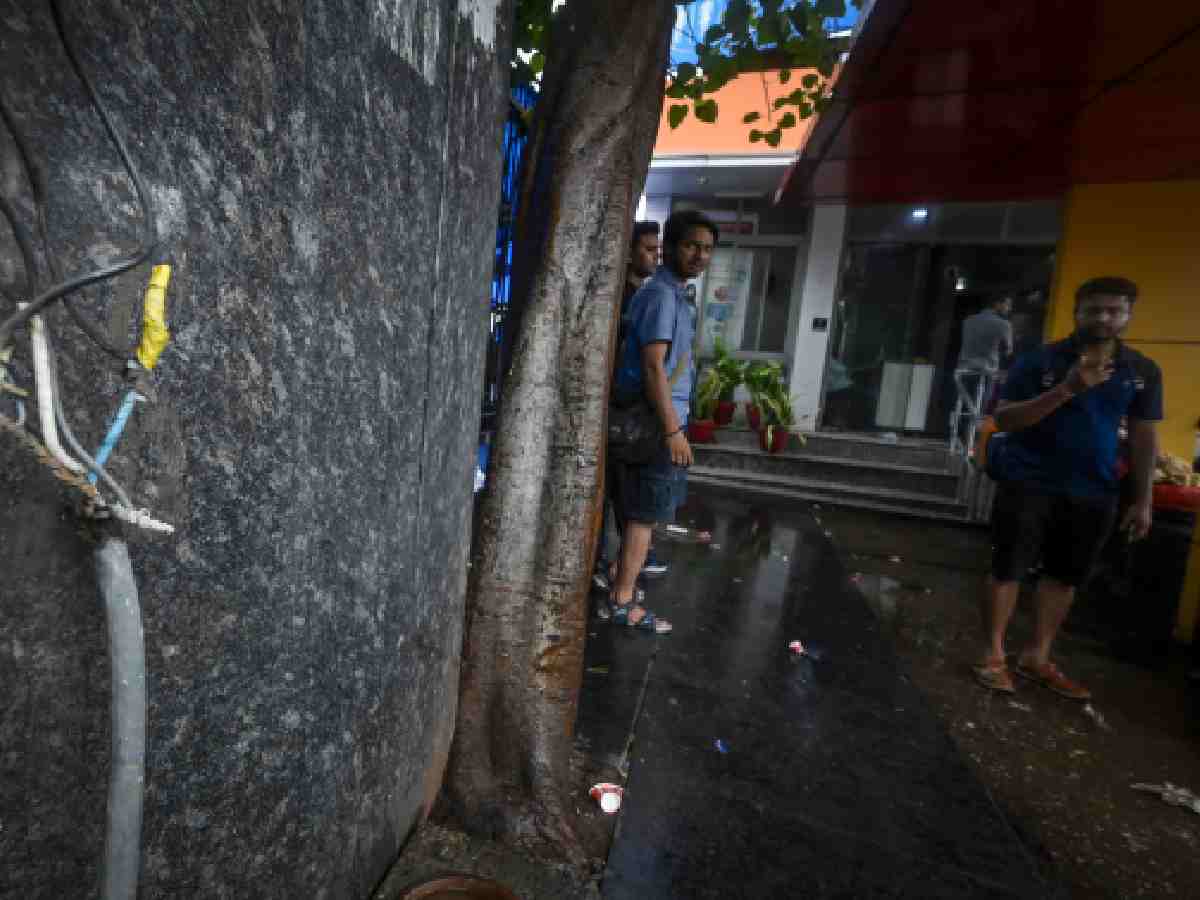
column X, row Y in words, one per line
column 809, row 467
column 890, row 500
column 927, row 454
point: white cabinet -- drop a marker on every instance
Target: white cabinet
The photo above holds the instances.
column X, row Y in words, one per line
column 904, row 396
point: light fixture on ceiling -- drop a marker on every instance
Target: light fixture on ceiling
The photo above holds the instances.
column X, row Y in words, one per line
column 960, row 284
column 920, row 213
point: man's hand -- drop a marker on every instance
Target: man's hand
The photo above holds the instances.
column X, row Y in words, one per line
column 1138, row 519
column 1087, row 373
column 681, row 450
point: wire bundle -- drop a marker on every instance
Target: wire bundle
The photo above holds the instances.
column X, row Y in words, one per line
column 62, row 289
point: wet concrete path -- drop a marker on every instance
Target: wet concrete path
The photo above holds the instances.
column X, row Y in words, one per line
column 832, row 776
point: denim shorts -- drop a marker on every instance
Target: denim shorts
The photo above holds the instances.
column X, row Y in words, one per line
column 651, row 493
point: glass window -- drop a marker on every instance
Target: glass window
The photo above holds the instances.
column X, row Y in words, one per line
column 747, row 297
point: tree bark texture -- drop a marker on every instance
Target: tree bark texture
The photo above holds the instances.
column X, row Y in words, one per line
column 526, row 616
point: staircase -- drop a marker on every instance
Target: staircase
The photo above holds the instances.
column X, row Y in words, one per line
column 907, row 476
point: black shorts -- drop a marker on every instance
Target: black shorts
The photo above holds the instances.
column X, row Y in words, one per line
column 1065, row 534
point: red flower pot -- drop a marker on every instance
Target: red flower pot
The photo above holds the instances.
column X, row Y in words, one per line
column 702, row 431
column 753, row 417
column 725, row 409
column 779, row 439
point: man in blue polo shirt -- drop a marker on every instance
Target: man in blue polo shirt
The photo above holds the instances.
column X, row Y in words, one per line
column 657, row 362
column 1060, row 411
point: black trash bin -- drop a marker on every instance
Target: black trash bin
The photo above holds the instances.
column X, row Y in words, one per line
column 1157, row 566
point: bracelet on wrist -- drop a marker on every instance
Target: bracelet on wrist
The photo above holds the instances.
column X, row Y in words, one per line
column 678, row 430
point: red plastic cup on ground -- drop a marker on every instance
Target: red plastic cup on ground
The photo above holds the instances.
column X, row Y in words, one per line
column 797, row 648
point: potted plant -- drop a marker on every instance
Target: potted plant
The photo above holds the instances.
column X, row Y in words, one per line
column 701, row 426
column 730, row 372
column 758, row 379
column 778, row 418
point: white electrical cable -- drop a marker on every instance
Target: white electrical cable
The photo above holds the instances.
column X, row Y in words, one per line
column 45, row 396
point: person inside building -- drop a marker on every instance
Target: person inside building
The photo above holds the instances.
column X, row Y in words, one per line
column 657, row 361
column 987, row 340
column 643, row 260
column 1060, row 411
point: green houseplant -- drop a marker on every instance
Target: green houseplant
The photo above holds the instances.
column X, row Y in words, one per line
column 701, row 425
column 758, row 378
column 778, row 419
column 730, row 372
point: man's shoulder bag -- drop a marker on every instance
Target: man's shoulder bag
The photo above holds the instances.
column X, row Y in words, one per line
column 635, row 434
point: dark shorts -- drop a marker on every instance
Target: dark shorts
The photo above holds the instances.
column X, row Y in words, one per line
column 651, row 493
column 1065, row 534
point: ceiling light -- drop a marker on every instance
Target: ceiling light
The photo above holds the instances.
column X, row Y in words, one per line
column 920, row 214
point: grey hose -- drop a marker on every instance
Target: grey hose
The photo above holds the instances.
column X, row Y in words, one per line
column 122, row 851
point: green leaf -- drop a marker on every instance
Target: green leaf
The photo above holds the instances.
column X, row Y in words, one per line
column 677, row 114
column 831, row 9
column 755, row 135
column 677, row 90
column 714, row 34
column 788, row 120
column 781, row 102
column 706, row 110
column 686, row 72
column 751, row 117
column 785, row 75
column 810, row 81
column 773, row 137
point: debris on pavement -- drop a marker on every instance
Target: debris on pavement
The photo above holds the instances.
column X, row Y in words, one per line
column 714, row 546
column 1096, row 716
column 597, row 670
column 677, row 529
column 856, row 578
column 1172, row 794
column 797, row 648
column 720, row 746
column 704, row 536
column 608, row 796
column 895, row 559
column 828, row 534
column 1021, row 706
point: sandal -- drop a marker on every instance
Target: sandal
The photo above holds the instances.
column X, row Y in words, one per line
column 605, row 607
column 619, row 612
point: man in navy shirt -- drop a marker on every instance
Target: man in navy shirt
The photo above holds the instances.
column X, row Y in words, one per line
column 657, row 361
column 1061, row 410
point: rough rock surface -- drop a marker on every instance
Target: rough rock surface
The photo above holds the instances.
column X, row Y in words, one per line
column 326, row 176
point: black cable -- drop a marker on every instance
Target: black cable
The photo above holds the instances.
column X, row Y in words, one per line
column 38, row 185
column 148, row 240
column 25, row 243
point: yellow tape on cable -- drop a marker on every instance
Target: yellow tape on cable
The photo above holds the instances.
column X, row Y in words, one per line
column 154, row 318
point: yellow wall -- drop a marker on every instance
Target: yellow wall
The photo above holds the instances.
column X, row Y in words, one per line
column 1149, row 232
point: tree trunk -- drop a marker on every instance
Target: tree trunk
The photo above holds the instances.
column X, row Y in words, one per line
column 527, row 611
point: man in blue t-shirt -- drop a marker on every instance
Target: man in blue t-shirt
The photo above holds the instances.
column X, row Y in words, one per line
column 657, row 361
column 1061, row 410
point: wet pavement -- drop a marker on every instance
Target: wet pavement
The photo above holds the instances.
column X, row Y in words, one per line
column 753, row 772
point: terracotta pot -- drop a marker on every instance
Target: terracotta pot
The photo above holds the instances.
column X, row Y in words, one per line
column 753, row 417
column 702, row 431
column 725, row 410
column 779, row 439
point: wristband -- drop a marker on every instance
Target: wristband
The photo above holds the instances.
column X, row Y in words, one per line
column 678, row 430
